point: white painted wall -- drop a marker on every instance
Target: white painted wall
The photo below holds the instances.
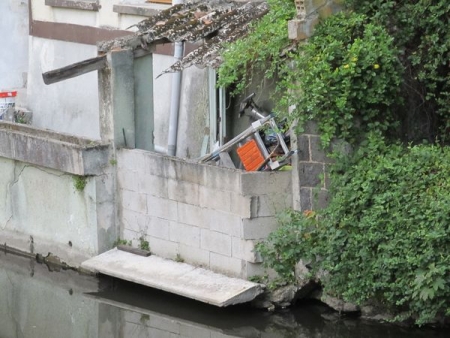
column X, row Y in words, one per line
column 14, row 46
column 69, row 106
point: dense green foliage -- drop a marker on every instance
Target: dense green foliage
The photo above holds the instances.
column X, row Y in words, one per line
column 382, row 65
column 373, row 75
column 385, row 236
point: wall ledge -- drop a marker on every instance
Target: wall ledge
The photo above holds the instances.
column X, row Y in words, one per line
column 63, row 152
column 86, row 5
column 140, row 10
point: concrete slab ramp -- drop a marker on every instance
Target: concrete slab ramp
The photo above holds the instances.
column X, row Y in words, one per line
column 178, row 278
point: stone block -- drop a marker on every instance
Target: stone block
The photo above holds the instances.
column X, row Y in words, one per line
column 193, row 215
column 227, row 265
column 260, row 183
column 135, row 201
column 184, row 192
column 162, row 208
column 258, row 228
column 310, row 174
column 215, row 242
column 320, row 199
column 245, row 250
column 133, row 220
column 195, row 256
column 214, row 199
column 241, row 205
column 185, row 234
column 303, row 148
column 223, row 222
column 153, row 185
column 163, row 248
column 306, row 199
column 318, row 154
column 154, row 163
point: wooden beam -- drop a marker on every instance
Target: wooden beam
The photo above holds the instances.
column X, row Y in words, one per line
column 74, row 70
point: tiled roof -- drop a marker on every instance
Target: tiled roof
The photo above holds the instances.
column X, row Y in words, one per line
column 214, row 22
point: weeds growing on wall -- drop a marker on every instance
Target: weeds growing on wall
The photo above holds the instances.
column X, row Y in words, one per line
column 385, row 237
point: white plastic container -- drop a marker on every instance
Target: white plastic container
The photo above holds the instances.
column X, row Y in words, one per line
column 7, row 101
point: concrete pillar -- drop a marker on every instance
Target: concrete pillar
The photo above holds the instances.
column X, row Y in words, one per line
column 143, row 102
column 117, row 95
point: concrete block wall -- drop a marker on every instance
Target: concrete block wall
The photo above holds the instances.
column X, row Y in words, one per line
column 206, row 215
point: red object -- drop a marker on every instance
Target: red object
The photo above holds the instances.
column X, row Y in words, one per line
column 8, row 94
column 250, row 155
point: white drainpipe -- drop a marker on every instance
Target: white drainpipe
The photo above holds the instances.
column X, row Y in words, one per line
column 175, row 98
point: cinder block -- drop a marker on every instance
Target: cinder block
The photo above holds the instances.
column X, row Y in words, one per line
column 157, row 227
column 183, row 170
column 224, row 179
column 254, row 269
column 152, row 185
column 183, row 192
column 241, row 205
column 133, row 220
column 135, row 201
column 215, row 242
column 195, row 256
column 154, row 164
column 298, row 29
column 128, row 159
column 163, row 248
column 186, row 234
column 164, row 323
column 214, row 199
column 311, row 174
column 264, row 183
column 153, row 332
column 162, row 208
column 258, row 228
column 223, row 222
column 189, row 330
column 130, row 235
column 245, row 250
column 192, row 215
column 227, row 265
column 271, row 205
column 127, row 180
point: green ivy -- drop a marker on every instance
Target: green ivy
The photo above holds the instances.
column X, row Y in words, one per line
column 385, row 237
column 260, row 51
column 346, row 78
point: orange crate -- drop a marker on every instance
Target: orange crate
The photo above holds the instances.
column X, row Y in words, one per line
column 250, row 155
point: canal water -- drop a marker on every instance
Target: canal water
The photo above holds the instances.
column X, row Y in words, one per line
column 37, row 301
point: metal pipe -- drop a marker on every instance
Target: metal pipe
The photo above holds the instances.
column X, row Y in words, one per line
column 175, row 98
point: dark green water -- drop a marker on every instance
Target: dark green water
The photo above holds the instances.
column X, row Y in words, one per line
column 36, row 302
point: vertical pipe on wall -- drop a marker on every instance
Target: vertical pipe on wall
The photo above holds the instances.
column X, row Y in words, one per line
column 175, row 98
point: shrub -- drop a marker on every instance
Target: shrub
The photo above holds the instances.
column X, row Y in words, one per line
column 384, row 237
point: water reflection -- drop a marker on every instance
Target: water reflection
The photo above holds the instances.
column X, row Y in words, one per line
column 35, row 302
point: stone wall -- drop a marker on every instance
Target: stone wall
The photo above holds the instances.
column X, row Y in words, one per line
column 206, row 215
column 310, row 171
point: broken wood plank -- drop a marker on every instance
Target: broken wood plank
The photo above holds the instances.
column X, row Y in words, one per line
column 75, row 69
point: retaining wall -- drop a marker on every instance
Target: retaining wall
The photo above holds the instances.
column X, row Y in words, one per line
column 206, row 215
